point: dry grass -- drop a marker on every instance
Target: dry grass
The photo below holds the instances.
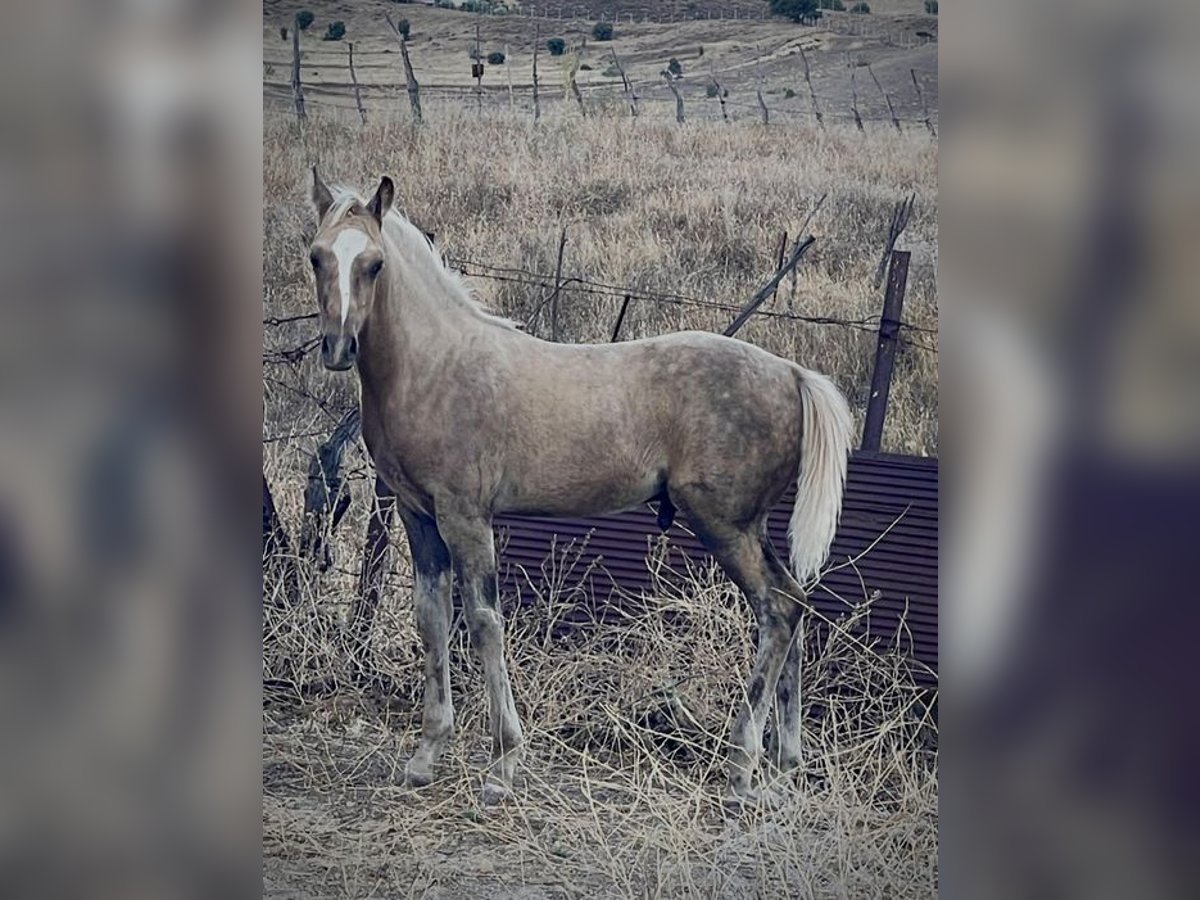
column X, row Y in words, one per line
column 697, row 210
column 620, row 791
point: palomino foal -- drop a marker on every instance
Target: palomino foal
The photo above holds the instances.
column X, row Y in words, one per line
column 465, row 417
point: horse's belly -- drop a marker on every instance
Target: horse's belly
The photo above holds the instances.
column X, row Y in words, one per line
column 582, row 496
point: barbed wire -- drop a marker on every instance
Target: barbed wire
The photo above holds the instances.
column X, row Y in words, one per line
column 546, row 282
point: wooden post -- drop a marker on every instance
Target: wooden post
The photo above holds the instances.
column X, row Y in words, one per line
column 370, row 582
column 414, row 90
column 354, row 80
column 678, row 99
column 297, row 90
column 720, row 96
column 812, row 94
column 900, row 217
column 478, row 73
column 921, row 97
column 629, row 94
column 779, row 264
column 854, row 100
column 325, row 497
column 571, row 73
column 537, row 39
column 885, row 351
column 768, row 289
column 562, row 245
column 886, row 97
column 616, row 332
column 766, row 116
column 512, row 104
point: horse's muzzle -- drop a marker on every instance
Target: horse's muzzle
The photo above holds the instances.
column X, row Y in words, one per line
column 338, row 351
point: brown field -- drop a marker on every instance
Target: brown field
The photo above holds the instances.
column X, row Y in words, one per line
column 620, row 791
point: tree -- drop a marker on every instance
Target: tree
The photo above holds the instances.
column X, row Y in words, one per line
column 602, row 31
column 495, row 58
column 556, row 46
column 675, row 68
column 861, row 9
column 335, row 32
column 931, row 7
column 404, row 27
column 304, row 18
column 796, row 10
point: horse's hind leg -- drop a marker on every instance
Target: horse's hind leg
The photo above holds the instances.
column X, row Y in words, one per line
column 739, row 550
column 786, row 754
column 432, row 606
column 473, row 552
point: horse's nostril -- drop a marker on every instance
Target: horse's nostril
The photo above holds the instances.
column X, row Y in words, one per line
column 326, row 346
column 352, row 347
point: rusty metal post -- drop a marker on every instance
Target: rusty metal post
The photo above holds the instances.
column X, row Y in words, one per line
column 885, row 351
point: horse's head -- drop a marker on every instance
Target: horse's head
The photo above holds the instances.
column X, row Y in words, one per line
column 347, row 257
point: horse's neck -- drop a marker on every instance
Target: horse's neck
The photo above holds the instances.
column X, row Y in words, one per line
column 417, row 323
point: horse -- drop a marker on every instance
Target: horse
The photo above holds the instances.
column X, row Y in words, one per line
column 466, row 416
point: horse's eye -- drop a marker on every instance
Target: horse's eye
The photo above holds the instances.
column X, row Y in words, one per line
column 376, row 267
column 316, row 262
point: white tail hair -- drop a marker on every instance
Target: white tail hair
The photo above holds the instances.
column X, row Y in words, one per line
column 824, row 451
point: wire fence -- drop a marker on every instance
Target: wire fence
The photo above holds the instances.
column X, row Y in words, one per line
column 697, row 97
column 546, row 282
column 295, row 354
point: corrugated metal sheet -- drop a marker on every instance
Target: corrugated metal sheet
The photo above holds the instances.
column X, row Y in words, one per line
column 891, row 501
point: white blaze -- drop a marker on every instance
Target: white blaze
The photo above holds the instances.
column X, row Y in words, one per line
column 349, row 243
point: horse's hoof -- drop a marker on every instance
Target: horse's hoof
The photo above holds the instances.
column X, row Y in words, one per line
column 493, row 793
column 417, row 776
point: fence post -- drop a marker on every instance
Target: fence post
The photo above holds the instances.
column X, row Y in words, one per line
column 562, row 246
column 720, row 95
column 370, row 581
column 766, row 116
column 414, row 90
column 768, row 289
column 921, row 97
column 779, row 264
column 811, row 92
column 632, row 97
column 678, row 99
column 326, row 497
column 478, row 74
column 854, row 99
column 616, row 332
column 512, row 104
column 887, row 99
column 537, row 39
column 885, row 351
column 297, row 90
column 354, row 80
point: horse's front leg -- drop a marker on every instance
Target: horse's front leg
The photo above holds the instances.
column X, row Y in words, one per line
column 432, row 607
column 473, row 551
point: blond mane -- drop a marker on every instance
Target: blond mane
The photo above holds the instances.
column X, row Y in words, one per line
column 417, row 242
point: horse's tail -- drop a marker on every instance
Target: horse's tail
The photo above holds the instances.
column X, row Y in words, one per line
column 824, row 450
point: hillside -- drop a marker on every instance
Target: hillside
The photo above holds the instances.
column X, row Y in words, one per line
column 743, row 55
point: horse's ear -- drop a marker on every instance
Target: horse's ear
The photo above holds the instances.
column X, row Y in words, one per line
column 320, row 195
column 382, row 201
